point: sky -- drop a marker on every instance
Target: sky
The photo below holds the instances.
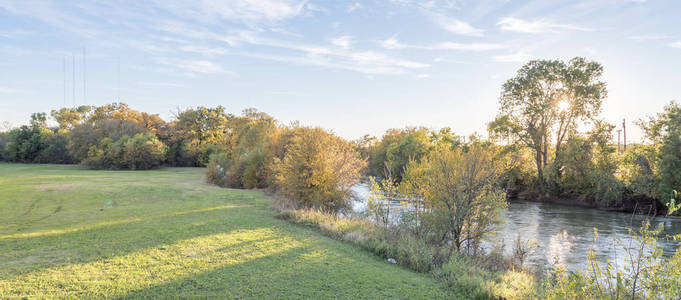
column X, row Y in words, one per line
column 353, row 67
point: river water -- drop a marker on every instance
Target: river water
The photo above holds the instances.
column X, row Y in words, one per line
column 563, row 233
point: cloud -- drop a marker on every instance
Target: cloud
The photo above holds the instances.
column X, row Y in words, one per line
column 445, row 59
column 393, row 43
column 676, row 45
column 354, row 6
column 163, row 84
column 422, row 76
column 249, row 11
column 204, row 50
column 536, row 26
column 207, row 28
column 370, row 62
column 343, row 41
column 649, row 37
column 519, row 56
column 15, row 33
column 367, row 63
column 314, row 7
column 193, row 66
column 458, row 26
column 6, row 90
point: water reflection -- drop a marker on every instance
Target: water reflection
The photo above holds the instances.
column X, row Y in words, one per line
column 564, row 233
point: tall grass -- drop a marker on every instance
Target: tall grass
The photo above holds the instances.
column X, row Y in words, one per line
column 482, row 277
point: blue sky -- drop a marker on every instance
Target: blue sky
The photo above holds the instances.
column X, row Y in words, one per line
column 354, row 67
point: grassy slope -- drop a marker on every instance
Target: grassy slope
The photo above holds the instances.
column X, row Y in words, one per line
column 68, row 232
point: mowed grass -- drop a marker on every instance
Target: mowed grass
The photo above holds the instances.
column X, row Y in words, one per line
column 66, row 232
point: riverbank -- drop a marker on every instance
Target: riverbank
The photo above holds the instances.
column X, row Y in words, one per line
column 67, row 232
column 637, row 205
column 483, row 276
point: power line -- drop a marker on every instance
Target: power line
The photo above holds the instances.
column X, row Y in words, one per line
column 84, row 91
column 119, row 79
column 64, row 71
column 74, row 78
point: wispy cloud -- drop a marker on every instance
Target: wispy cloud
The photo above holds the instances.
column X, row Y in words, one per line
column 445, row 59
column 340, row 57
column 676, row 44
column 343, row 41
column 204, row 50
column 369, row 63
column 354, row 6
column 249, row 11
column 193, row 66
column 163, row 84
column 458, row 26
column 14, row 33
column 393, row 43
column 535, row 26
column 8, row 90
column 314, row 7
column 650, row 37
column 519, row 56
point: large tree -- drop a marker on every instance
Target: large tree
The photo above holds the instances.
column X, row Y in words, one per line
column 547, row 99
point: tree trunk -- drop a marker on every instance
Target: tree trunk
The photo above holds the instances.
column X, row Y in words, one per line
column 540, row 168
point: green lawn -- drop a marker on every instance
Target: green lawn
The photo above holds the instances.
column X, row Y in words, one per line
column 66, row 232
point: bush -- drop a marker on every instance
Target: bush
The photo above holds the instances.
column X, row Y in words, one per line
column 4, row 156
column 318, row 170
column 462, row 200
column 219, row 171
column 34, row 144
column 86, row 139
column 143, row 151
column 139, row 152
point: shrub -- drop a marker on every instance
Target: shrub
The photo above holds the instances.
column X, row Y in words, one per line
column 139, row 152
column 219, row 171
column 460, row 193
column 4, row 156
column 318, row 170
column 142, row 151
column 88, row 137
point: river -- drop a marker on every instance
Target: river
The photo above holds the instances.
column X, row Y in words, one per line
column 563, row 233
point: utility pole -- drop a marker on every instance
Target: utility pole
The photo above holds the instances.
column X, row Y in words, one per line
column 624, row 128
column 619, row 131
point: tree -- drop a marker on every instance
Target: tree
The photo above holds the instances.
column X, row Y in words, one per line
column 460, row 193
column 244, row 164
column 665, row 131
column 197, row 133
column 397, row 148
column 67, row 118
column 547, row 99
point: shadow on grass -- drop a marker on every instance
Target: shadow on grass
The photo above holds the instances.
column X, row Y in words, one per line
column 308, row 272
column 118, row 275
column 30, row 252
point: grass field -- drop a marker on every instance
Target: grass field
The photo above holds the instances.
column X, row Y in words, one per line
column 67, row 232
